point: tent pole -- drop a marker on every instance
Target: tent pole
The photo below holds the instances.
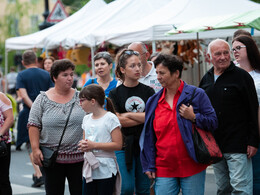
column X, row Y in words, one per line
column 198, row 49
column 92, row 61
column 6, row 68
column 154, row 46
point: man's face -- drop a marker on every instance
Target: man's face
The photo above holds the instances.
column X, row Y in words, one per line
column 220, row 55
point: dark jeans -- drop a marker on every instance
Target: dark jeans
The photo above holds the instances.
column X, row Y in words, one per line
column 5, row 186
column 99, row 186
column 55, row 178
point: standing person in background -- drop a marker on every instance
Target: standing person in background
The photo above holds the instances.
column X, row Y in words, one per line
column 47, row 120
column 129, row 100
column 247, row 56
column 148, row 74
column 103, row 66
column 6, row 121
column 47, row 63
column 40, row 62
column 232, row 93
column 29, row 83
column 241, row 32
column 154, row 56
column 101, row 137
column 167, row 152
column 11, row 81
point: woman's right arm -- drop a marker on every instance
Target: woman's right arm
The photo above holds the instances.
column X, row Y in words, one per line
column 34, row 135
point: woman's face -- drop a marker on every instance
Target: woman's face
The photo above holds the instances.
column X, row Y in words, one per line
column 102, row 68
column 239, row 52
column 48, row 64
column 165, row 77
column 64, row 79
column 132, row 70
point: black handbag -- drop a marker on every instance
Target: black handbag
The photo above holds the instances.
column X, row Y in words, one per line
column 3, row 149
column 206, row 148
column 50, row 155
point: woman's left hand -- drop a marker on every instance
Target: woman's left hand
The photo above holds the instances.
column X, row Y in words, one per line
column 187, row 112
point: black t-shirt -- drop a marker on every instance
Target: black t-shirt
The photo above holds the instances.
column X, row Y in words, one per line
column 131, row 99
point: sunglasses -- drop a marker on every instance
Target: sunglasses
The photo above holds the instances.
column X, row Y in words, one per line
column 131, row 52
column 237, row 48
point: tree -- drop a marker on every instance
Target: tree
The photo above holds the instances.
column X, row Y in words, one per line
column 11, row 25
column 75, row 5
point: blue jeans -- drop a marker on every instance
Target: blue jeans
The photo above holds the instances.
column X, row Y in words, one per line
column 133, row 180
column 234, row 174
column 256, row 172
column 193, row 185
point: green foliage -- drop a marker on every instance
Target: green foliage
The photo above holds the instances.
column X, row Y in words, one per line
column 257, row 1
column 80, row 69
column 75, row 5
column 11, row 25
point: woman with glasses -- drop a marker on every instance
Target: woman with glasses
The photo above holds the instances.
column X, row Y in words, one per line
column 103, row 66
column 129, row 100
column 47, row 122
column 247, row 56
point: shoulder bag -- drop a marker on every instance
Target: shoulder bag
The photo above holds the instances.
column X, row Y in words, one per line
column 50, row 155
column 206, row 148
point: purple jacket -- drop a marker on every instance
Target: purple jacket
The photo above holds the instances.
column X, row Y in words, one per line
column 205, row 119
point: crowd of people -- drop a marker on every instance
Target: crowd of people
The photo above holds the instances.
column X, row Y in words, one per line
column 133, row 134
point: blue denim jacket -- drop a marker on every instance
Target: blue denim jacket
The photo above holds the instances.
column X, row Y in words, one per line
column 205, row 119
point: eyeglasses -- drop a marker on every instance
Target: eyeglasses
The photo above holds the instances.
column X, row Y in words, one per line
column 237, row 48
column 82, row 100
column 131, row 52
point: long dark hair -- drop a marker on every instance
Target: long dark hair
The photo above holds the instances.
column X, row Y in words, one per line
column 94, row 91
column 252, row 51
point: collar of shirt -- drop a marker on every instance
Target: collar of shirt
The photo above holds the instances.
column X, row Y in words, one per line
column 178, row 91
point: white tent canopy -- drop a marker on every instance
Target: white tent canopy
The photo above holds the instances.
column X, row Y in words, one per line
column 36, row 40
column 154, row 26
column 117, row 14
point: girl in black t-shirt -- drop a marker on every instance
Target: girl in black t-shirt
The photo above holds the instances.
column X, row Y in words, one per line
column 129, row 100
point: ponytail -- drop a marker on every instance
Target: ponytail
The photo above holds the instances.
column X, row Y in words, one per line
column 110, row 106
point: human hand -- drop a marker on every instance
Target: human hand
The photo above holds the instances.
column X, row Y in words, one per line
column 251, row 151
column 37, row 157
column 187, row 112
column 150, row 174
column 86, row 145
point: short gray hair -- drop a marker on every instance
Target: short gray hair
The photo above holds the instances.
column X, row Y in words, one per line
column 213, row 42
column 105, row 55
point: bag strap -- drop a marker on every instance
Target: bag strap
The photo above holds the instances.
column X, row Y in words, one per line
column 65, row 126
column 192, row 96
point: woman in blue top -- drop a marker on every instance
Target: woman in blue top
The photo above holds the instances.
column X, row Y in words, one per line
column 103, row 65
